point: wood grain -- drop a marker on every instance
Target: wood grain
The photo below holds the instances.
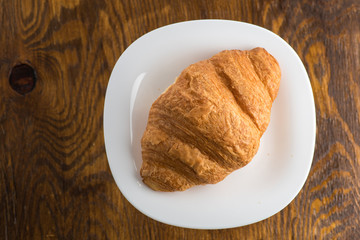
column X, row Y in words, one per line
column 55, row 181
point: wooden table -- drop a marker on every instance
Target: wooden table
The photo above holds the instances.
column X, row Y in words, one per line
column 55, row 181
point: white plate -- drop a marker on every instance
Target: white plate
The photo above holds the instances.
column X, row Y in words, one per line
column 253, row 193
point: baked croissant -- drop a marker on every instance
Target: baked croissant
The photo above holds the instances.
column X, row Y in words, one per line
column 209, row 122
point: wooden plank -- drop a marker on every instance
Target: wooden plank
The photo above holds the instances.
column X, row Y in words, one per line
column 55, row 181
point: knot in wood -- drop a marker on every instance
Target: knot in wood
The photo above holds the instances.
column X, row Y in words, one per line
column 22, row 78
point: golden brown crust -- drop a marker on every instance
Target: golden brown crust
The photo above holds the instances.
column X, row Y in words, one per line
column 209, row 122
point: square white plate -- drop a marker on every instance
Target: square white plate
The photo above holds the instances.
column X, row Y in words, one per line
column 257, row 191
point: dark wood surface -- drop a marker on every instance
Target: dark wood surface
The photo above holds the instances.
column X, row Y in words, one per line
column 55, row 181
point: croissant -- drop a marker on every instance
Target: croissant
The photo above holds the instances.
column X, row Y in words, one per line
column 210, row 121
